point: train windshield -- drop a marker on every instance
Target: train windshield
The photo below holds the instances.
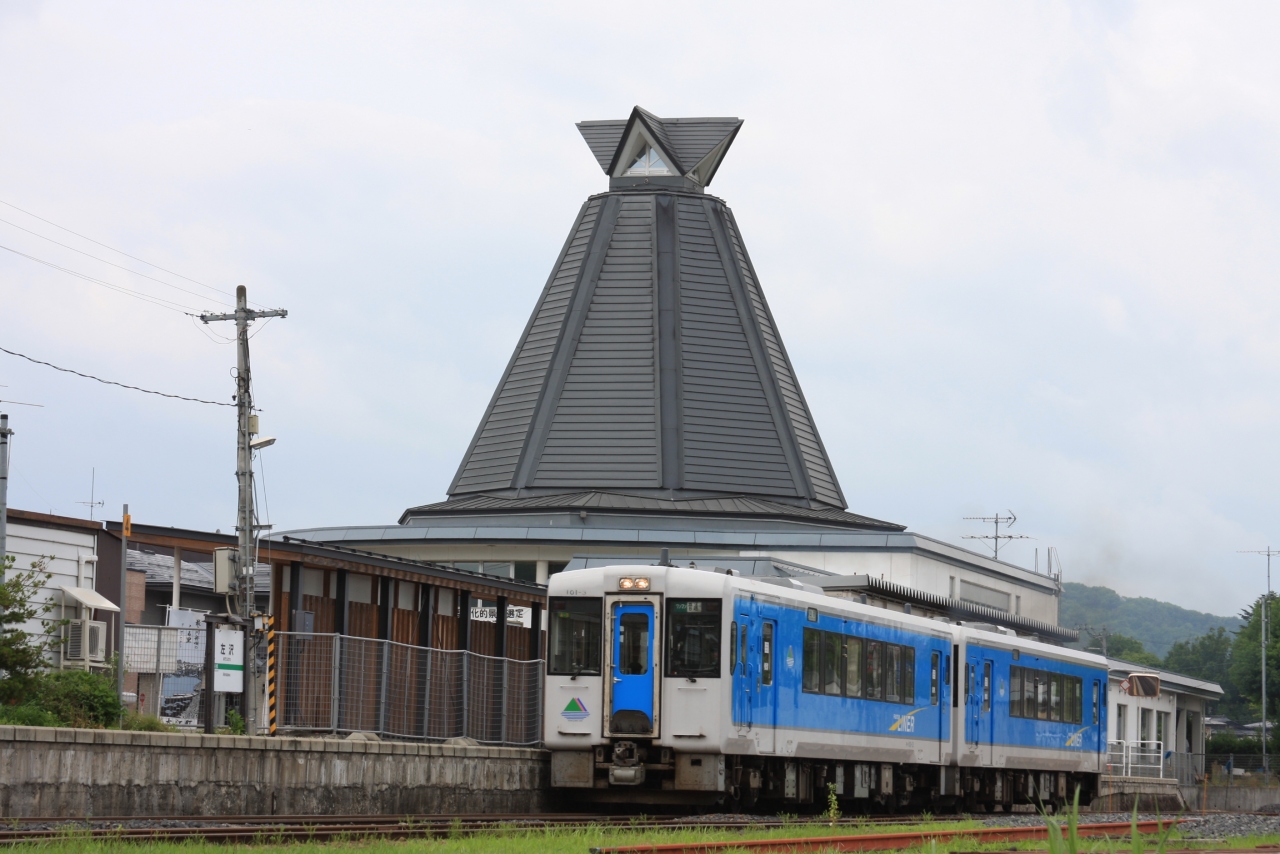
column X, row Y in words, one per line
column 575, row 636
column 693, row 637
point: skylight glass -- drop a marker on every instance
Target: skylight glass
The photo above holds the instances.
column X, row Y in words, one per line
column 648, row 163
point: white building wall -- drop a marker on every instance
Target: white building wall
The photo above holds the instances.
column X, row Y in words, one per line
column 62, row 551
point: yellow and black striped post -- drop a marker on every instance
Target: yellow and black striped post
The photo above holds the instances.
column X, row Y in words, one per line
column 271, row 675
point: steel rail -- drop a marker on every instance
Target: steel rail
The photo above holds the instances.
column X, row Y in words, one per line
column 886, row 841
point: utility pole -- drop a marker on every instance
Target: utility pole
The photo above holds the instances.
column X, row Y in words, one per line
column 1266, row 636
column 5, row 433
column 246, row 528
column 997, row 537
column 126, row 531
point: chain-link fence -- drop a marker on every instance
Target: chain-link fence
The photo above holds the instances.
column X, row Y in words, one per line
column 168, row 665
column 336, row 683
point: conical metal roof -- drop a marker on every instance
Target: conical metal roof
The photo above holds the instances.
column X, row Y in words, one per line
column 652, row 365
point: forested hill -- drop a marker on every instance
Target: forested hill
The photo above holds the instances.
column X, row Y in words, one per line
column 1157, row 624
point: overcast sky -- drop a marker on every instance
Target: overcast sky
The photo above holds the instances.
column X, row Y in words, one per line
column 1024, row 255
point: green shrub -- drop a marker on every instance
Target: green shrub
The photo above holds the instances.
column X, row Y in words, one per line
column 27, row 716
column 145, row 723
column 79, row 697
column 235, row 722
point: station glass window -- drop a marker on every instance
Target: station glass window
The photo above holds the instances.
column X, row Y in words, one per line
column 574, row 635
column 853, row 667
column 766, row 653
column 693, row 638
column 812, row 660
column 633, row 644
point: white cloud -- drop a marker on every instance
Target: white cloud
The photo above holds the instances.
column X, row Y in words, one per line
column 1023, row 256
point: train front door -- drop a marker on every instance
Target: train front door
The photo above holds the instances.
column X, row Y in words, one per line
column 632, row 669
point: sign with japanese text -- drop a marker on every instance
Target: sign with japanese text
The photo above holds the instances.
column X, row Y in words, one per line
column 228, row 660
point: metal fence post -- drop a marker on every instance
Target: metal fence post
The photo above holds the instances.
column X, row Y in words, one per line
column 426, row 695
column 382, row 688
column 504, row 736
column 465, row 681
column 335, row 689
column 159, row 678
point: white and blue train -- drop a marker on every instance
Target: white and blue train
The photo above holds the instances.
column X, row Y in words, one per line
column 681, row 685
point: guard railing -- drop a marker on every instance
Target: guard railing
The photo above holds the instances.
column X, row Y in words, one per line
column 342, row 684
column 1135, row 758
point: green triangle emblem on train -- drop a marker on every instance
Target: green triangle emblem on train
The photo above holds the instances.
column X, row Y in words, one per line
column 576, row 710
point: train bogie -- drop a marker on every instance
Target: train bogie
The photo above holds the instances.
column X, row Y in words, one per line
column 687, row 686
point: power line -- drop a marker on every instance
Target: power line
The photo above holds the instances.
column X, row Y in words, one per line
column 112, row 263
column 113, row 249
column 111, row 382
column 154, row 300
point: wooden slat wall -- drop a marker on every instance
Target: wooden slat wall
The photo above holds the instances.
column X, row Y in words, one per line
column 362, row 620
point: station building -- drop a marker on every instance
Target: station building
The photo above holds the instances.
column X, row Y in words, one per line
column 650, row 404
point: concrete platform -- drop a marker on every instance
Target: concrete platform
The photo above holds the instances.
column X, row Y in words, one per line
column 1152, row 794
column 46, row 772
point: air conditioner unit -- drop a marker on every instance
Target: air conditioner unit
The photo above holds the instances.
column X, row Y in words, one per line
column 86, row 641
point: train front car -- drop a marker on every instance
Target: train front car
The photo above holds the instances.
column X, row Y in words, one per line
column 1034, row 722
column 635, row 687
column 669, row 685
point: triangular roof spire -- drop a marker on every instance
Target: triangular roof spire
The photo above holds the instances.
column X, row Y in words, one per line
column 692, row 147
column 652, row 366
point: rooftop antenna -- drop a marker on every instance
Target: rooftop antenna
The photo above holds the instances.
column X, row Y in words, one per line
column 93, row 482
column 995, row 538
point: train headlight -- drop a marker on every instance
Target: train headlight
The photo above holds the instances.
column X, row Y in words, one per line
column 633, row 584
column 642, row 584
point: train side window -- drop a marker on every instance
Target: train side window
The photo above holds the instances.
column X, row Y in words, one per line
column 853, row 667
column 1095, row 702
column 893, row 673
column 1055, row 697
column 909, row 675
column 875, row 670
column 986, row 686
column 812, row 660
column 1015, row 691
column 742, row 645
column 766, row 653
column 1042, row 696
column 733, row 648
column 832, row 651
column 933, row 679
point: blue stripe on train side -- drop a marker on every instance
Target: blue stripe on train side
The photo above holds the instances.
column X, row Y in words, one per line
column 808, row 711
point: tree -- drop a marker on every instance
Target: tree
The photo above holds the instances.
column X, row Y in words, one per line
column 22, row 652
column 1130, row 649
column 1209, row 657
column 1246, row 658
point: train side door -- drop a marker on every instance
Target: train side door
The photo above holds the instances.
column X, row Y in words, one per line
column 972, row 702
column 766, row 713
column 632, row 668
column 987, row 708
column 744, row 683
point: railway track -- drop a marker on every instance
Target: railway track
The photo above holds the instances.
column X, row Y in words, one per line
column 246, row 828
